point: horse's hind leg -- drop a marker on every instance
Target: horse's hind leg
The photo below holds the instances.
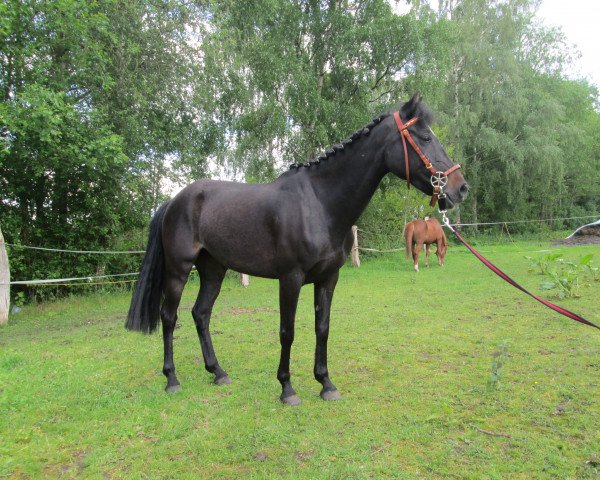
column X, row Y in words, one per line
column 427, row 252
column 441, row 251
column 173, row 288
column 211, row 278
column 416, row 252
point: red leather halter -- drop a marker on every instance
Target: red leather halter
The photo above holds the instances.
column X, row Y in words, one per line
column 405, row 134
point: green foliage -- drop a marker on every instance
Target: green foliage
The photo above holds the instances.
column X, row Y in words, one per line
column 499, row 358
column 544, row 262
column 19, row 300
column 587, row 264
column 564, row 276
column 310, row 78
column 94, row 100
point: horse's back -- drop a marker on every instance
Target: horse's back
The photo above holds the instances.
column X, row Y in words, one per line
column 418, row 227
column 221, row 217
column 435, row 228
column 425, row 231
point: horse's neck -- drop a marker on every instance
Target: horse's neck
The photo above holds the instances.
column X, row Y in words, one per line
column 345, row 183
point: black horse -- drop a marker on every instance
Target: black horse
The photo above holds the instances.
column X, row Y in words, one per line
column 296, row 229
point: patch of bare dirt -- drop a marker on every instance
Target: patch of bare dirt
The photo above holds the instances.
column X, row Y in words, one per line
column 245, row 311
column 589, row 235
column 579, row 240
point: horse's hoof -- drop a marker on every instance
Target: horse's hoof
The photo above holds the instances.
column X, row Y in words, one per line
column 172, row 388
column 331, row 395
column 292, row 400
column 223, row 380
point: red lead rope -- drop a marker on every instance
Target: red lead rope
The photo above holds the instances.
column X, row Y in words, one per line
column 504, row 276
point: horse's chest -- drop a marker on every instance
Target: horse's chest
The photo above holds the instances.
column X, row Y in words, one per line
column 324, row 255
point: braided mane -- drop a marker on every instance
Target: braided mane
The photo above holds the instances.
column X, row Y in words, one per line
column 340, row 146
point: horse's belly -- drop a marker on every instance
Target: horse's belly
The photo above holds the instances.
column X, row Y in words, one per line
column 245, row 251
column 256, row 252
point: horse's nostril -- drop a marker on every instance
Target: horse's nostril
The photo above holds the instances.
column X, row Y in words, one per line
column 464, row 189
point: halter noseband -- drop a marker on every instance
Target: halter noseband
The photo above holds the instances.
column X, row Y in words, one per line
column 438, row 179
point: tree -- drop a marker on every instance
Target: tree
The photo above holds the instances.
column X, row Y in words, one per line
column 299, row 76
column 95, row 98
column 503, row 97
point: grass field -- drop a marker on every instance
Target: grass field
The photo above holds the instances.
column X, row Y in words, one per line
column 449, row 373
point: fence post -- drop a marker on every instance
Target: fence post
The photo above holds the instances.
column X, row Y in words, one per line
column 4, row 282
column 244, row 280
column 354, row 251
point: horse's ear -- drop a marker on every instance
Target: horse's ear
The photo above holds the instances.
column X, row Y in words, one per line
column 410, row 108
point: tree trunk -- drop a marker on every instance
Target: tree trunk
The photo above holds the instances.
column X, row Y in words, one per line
column 4, row 282
column 474, row 174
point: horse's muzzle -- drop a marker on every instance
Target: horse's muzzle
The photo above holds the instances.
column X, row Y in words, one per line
column 456, row 194
column 463, row 191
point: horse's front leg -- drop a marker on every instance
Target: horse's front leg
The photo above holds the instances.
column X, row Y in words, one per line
column 323, row 296
column 427, row 252
column 289, row 290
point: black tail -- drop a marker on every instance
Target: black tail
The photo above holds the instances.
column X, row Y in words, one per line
column 145, row 304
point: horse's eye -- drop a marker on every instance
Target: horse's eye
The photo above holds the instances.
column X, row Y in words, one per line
column 427, row 138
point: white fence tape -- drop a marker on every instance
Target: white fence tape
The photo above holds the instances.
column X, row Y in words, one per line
column 60, row 280
column 99, row 252
column 119, row 252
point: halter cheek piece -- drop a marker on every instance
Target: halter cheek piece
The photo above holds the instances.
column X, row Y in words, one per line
column 438, row 179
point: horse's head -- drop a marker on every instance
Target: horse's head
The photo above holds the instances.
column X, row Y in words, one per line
column 416, row 155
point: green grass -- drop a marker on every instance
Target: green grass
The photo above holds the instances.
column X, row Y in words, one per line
column 412, row 354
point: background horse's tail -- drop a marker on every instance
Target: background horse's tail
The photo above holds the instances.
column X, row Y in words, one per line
column 145, row 304
column 408, row 236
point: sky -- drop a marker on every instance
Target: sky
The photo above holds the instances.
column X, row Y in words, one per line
column 580, row 22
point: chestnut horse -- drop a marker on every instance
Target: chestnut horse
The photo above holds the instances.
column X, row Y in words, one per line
column 296, row 229
column 428, row 231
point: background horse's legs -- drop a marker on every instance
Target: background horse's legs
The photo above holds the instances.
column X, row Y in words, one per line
column 211, row 277
column 323, row 296
column 440, row 251
column 173, row 287
column 427, row 252
column 415, row 253
column 289, row 290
